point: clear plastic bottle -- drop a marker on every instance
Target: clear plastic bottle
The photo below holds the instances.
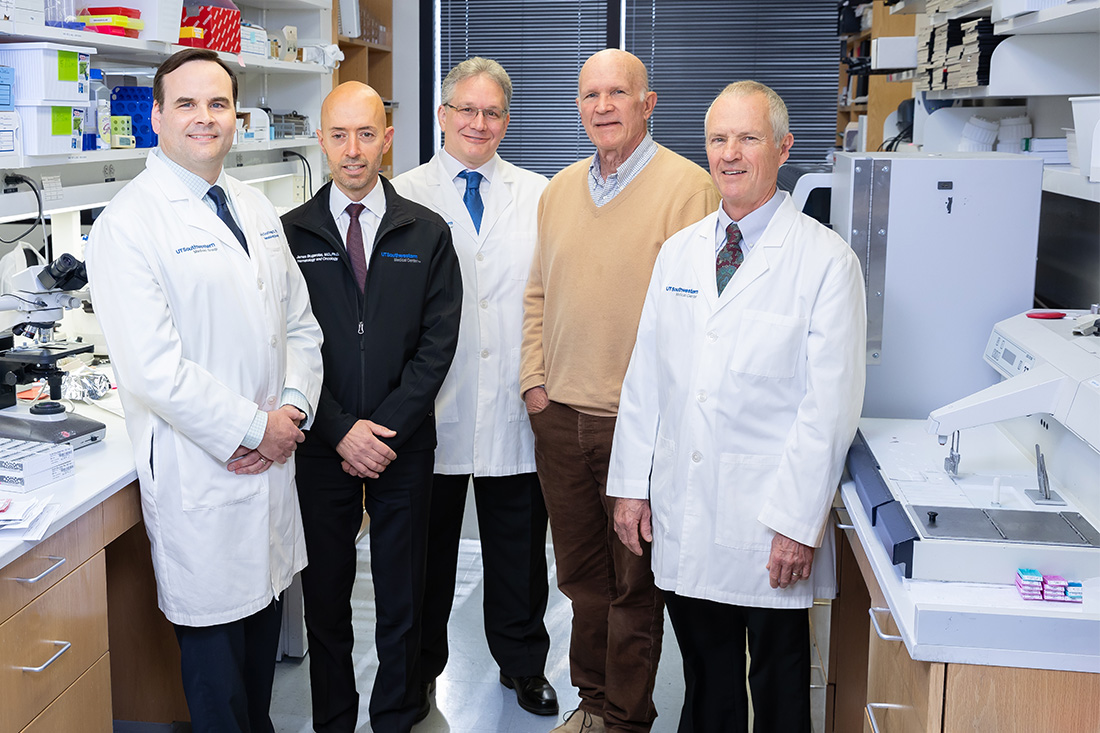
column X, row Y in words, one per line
column 99, row 103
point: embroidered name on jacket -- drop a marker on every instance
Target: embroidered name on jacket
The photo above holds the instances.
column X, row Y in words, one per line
column 682, row 292
column 311, row 257
column 401, row 256
column 270, row 234
column 198, row 248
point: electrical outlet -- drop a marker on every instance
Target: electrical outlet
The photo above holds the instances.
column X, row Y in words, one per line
column 299, row 189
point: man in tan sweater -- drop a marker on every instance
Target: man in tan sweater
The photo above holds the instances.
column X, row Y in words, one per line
column 601, row 222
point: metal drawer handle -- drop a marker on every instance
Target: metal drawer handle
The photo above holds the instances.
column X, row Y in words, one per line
column 872, row 706
column 845, row 526
column 64, row 648
column 878, row 630
column 58, row 562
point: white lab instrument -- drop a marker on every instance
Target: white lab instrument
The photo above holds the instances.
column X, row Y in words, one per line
column 1024, row 491
column 940, row 269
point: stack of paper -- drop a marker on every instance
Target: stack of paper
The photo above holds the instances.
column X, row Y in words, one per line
column 27, row 465
column 1054, row 589
column 968, row 63
column 1053, row 150
column 26, row 518
column 1029, row 584
column 1075, row 592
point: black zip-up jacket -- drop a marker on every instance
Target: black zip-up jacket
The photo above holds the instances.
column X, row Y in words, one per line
column 386, row 351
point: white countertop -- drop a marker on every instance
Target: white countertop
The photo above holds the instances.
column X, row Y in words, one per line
column 101, row 470
column 979, row 623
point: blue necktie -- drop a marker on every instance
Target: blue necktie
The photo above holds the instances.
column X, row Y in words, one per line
column 217, row 195
column 472, row 198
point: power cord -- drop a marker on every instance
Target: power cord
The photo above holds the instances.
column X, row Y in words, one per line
column 309, row 171
column 13, row 179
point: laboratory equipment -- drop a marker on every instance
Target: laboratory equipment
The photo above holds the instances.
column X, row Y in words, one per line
column 41, row 294
column 1026, row 494
column 939, row 269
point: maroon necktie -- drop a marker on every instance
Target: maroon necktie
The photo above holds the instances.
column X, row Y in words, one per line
column 355, row 245
column 730, row 256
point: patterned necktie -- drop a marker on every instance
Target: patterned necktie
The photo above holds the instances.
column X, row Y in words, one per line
column 730, row 257
column 472, row 198
column 217, row 195
column 356, row 251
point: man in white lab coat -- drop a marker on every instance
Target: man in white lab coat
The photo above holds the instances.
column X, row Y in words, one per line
column 738, row 407
column 217, row 356
column 481, row 421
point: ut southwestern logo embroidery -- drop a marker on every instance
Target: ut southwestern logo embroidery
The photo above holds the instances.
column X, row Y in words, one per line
column 270, row 234
column 198, row 248
column 682, row 292
column 401, row 256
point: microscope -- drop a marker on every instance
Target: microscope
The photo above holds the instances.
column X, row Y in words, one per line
column 41, row 294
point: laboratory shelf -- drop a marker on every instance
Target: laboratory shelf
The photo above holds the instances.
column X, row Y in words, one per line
column 908, row 7
column 287, row 4
column 131, row 50
column 1082, row 16
column 1068, row 181
column 1038, row 65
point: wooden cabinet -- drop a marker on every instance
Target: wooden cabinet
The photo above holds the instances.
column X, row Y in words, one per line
column 897, row 694
column 878, row 97
column 49, row 643
column 86, row 589
column 369, row 59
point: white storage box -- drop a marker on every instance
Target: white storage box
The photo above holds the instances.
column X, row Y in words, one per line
column 1086, row 117
column 1005, row 9
column 31, row 12
column 894, row 52
column 11, row 141
column 254, row 40
column 50, row 129
column 48, row 72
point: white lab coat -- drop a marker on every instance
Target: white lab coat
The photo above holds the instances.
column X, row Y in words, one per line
column 481, row 420
column 201, row 334
column 743, row 406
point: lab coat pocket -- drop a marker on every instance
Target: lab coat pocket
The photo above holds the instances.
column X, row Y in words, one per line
column 661, row 493
column 769, row 344
column 742, row 489
column 205, row 483
column 517, row 408
column 278, row 276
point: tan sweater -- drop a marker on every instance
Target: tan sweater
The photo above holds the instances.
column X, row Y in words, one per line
column 590, row 274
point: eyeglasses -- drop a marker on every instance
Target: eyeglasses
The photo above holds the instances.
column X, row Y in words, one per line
column 492, row 114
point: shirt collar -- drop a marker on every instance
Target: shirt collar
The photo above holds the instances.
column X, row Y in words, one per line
column 375, row 201
column 193, row 182
column 634, row 162
column 453, row 166
column 752, row 225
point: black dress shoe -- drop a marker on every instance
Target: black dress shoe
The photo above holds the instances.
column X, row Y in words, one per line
column 534, row 694
column 425, row 709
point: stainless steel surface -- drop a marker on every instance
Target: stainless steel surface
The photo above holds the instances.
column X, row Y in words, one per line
column 860, row 240
column 956, row 523
column 1083, row 528
column 876, row 260
column 1042, row 527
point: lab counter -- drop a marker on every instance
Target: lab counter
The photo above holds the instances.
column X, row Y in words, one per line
column 82, row 642
column 922, row 654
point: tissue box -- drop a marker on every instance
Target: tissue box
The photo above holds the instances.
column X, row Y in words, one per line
column 222, row 25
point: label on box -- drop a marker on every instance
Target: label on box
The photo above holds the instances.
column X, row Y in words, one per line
column 66, row 65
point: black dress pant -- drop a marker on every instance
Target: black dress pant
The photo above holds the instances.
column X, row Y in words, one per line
column 228, row 670
column 511, row 520
column 332, row 513
column 711, row 636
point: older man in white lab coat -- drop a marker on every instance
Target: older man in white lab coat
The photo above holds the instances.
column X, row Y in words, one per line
column 740, row 402
column 218, row 361
column 481, row 421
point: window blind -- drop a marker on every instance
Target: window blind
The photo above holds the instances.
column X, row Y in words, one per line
column 693, row 48
column 542, row 45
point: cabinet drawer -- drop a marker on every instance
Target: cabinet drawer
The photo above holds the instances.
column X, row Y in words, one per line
column 62, row 632
column 1010, row 700
column 903, row 695
column 85, row 706
column 29, row 576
